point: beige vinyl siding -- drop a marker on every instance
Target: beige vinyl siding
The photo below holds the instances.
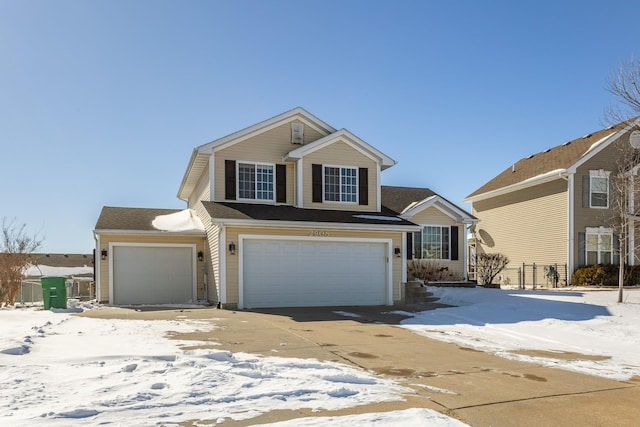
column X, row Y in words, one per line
column 211, row 255
column 340, row 154
column 232, row 233
column 528, row 226
column 201, row 191
column 268, row 147
column 434, row 216
column 105, row 239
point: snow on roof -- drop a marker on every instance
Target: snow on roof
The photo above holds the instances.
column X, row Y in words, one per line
column 185, row 220
column 46, row 270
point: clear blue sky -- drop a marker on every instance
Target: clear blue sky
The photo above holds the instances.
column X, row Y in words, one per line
column 102, row 102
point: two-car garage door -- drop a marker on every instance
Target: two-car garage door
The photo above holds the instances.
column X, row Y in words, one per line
column 304, row 273
column 161, row 274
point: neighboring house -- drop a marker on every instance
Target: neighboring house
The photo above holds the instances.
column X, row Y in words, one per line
column 77, row 268
column 553, row 208
column 287, row 212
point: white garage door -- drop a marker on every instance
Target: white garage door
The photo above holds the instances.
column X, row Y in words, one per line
column 152, row 275
column 285, row 273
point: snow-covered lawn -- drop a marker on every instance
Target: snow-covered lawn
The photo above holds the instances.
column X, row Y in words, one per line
column 63, row 370
column 561, row 325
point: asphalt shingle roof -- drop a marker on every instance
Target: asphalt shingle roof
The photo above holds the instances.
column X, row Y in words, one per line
column 559, row 157
column 116, row 218
column 228, row 210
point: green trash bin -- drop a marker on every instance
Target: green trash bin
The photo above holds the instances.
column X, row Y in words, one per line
column 54, row 292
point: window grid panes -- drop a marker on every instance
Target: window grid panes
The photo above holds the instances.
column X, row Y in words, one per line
column 340, row 184
column 599, row 248
column 599, row 192
column 431, row 243
column 255, row 181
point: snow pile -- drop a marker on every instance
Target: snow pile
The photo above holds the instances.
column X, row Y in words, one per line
column 581, row 331
column 185, row 220
column 408, row 417
column 60, row 369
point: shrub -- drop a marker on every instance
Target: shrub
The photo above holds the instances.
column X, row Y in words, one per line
column 430, row 271
column 488, row 266
column 604, row 275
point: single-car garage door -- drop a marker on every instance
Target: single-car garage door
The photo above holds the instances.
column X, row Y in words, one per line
column 153, row 275
column 290, row 273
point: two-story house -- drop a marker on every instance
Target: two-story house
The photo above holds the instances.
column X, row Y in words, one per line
column 554, row 208
column 287, row 212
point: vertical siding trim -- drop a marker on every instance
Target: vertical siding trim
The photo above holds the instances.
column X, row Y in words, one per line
column 212, row 174
column 222, row 257
column 403, row 271
column 299, row 184
column 570, row 226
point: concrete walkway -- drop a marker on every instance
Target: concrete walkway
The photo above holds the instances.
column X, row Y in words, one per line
column 477, row 388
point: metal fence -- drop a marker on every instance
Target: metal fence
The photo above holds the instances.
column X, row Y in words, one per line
column 78, row 288
column 534, row 276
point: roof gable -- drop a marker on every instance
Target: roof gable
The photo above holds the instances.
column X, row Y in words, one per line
column 408, row 201
column 199, row 160
column 351, row 140
column 551, row 163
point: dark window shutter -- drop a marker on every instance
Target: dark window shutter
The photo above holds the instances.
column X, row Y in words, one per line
column 363, row 186
column 585, row 191
column 616, row 250
column 230, row 179
column 582, row 248
column 454, row 243
column 316, row 183
column 281, row 183
column 409, row 248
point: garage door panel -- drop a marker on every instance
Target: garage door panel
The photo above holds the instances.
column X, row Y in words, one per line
column 152, row 275
column 283, row 273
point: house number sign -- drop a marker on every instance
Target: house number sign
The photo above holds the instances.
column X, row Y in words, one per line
column 319, row 233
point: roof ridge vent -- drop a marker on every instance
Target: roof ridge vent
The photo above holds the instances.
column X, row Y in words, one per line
column 587, row 136
column 531, row 156
column 547, row 150
column 567, row 143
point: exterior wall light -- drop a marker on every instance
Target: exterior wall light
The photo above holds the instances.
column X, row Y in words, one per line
column 200, row 256
column 232, row 248
column 396, row 251
column 103, row 254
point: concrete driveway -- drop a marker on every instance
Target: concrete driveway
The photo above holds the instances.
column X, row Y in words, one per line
column 477, row 388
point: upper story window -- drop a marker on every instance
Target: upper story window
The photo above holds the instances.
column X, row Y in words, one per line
column 599, row 245
column 432, row 243
column 256, row 181
column 599, row 189
column 340, row 184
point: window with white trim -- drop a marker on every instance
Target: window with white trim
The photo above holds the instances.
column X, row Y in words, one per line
column 340, row 184
column 256, row 181
column 599, row 245
column 433, row 242
column 599, row 189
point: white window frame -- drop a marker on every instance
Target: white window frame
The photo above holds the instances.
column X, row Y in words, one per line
column 599, row 232
column 342, row 195
column 422, row 233
column 255, row 172
column 599, row 174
